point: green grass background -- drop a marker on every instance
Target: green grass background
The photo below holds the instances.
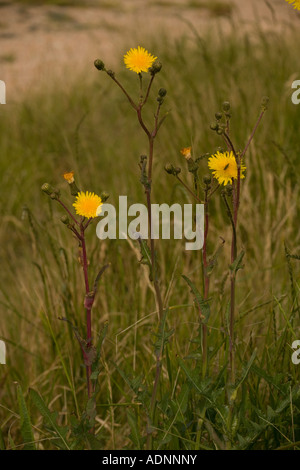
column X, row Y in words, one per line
column 91, row 129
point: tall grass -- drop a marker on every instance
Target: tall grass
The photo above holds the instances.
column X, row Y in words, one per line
column 90, row 129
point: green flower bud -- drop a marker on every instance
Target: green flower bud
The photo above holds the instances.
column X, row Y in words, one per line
column 104, row 196
column 218, row 116
column 52, row 192
column 162, row 92
column 47, row 188
column 169, row 168
column 214, row 126
column 226, row 106
column 155, row 68
column 99, row 64
column 207, row 179
column 65, row 219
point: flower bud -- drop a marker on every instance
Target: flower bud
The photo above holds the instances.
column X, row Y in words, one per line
column 99, row 64
column 65, row 219
column 169, row 168
column 52, row 192
column 186, row 152
column 69, row 177
column 162, row 92
column 47, row 188
column 155, row 68
column 218, row 116
column 104, row 196
column 207, row 179
column 214, row 126
column 226, row 106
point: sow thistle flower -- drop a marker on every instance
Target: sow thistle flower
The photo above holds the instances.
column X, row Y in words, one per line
column 69, row 177
column 138, row 60
column 186, row 152
column 224, row 167
column 88, row 204
column 295, row 3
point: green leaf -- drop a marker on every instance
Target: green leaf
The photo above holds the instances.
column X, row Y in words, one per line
column 50, row 419
column 26, row 428
column 237, row 264
column 163, row 335
column 135, row 434
column 202, row 304
column 244, row 375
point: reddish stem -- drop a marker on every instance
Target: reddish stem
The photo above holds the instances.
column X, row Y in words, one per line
column 88, row 309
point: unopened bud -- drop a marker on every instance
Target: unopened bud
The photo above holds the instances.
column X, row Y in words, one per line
column 65, row 219
column 104, row 196
column 52, row 192
column 99, row 64
column 155, row 68
column 169, row 168
column 207, row 179
column 226, row 106
column 47, row 188
column 218, row 116
column 162, row 92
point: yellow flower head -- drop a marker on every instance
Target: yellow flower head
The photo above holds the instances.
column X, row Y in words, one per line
column 138, row 60
column 186, row 152
column 224, row 167
column 87, row 204
column 69, row 177
column 295, row 3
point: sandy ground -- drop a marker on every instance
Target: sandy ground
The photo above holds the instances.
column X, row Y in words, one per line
column 43, row 43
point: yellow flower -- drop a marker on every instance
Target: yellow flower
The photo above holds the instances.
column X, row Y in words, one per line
column 138, row 60
column 224, row 167
column 69, row 177
column 87, row 204
column 295, row 3
column 186, row 152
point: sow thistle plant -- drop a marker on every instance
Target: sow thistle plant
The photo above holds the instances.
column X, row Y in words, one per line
column 87, row 206
column 139, row 61
column 228, row 170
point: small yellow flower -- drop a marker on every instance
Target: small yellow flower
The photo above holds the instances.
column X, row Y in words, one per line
column 224, row 167
column 295, row 3
column 138, row 60
column 186, row 152
column 88, row 204
column 69, row 177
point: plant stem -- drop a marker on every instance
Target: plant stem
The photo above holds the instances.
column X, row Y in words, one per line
column 206, row 282
column 88, row 310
